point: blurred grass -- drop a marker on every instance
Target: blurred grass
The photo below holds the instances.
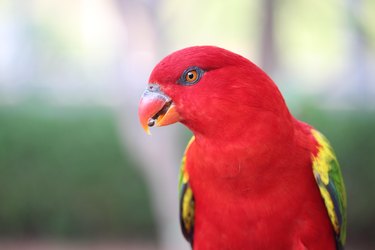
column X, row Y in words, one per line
column 63, row 173
column 351, row 134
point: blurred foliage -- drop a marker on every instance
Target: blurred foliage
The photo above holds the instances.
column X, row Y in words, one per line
column 351, row 134
column 63, row 173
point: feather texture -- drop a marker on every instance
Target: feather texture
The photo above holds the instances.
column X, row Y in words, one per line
column 187, row 203
column 331, row 185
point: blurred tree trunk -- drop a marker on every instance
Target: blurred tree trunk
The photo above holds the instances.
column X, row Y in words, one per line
column 157, row 154
column 17, row 70
column 358, row 68
column 268, row 50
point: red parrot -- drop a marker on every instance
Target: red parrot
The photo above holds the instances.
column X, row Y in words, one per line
column 253, row 176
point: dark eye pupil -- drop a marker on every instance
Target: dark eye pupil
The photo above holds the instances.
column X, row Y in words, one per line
column 191, row 76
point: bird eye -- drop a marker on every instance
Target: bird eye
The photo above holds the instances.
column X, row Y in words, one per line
column 191, row 76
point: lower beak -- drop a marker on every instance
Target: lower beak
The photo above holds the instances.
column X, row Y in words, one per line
column 156, row 108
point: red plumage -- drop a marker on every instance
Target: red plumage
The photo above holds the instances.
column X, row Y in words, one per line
column 251, row 200
column 250, row 164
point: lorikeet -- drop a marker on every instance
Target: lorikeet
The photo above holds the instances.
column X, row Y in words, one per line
column 253, row 176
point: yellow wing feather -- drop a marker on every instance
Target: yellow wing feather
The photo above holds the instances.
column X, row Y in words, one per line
column 187, row 203
column 331, row 185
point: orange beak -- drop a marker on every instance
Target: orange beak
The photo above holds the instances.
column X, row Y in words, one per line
column 156, row 108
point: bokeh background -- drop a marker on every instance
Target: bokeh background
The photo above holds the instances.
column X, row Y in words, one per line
column 76, row 169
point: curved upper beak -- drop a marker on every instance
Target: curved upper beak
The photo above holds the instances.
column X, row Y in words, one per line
column 156, row 108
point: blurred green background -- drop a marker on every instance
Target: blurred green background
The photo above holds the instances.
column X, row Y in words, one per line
column 76, row 166
column 63, row 174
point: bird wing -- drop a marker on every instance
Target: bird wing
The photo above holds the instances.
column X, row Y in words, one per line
column 331, row 185
column 187, row 203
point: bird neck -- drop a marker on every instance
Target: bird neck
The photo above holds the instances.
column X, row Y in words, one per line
column 252, row 162
column 243, row 131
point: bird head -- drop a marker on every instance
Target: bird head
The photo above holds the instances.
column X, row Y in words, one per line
column 206, row 88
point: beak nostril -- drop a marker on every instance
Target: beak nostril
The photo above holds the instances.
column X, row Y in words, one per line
column 153, row 87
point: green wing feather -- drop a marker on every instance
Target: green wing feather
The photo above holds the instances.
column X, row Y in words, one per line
column 187, row 202
column 331, row 185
